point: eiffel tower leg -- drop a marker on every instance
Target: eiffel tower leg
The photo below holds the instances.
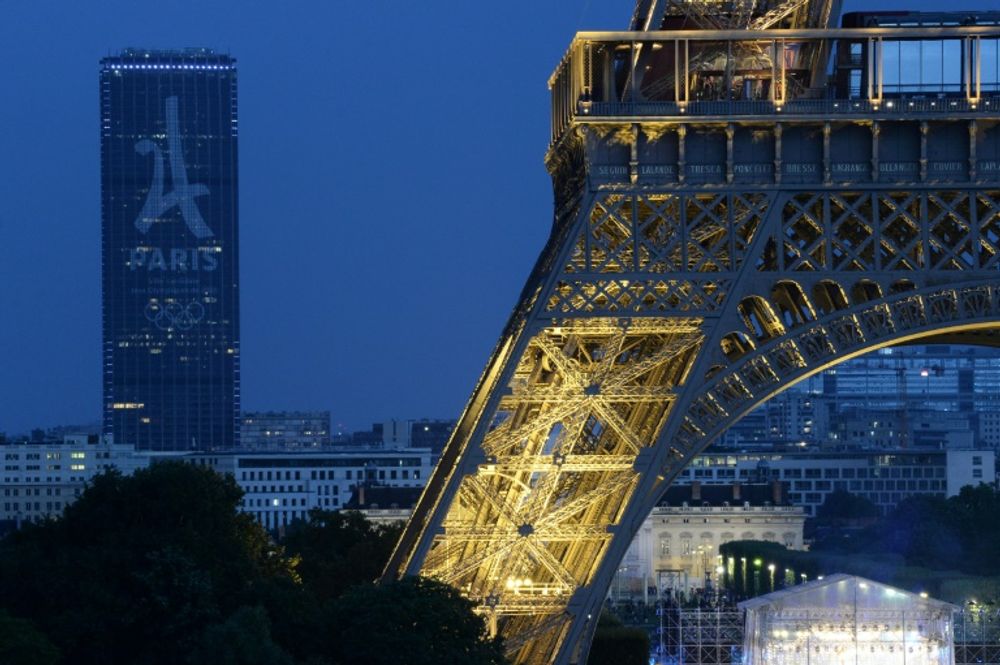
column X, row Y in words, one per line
column 549, row 471
column 663, row 461
column 661, row 311
column 607, row 382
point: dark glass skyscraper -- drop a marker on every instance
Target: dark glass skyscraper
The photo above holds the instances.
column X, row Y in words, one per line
column 170, row 272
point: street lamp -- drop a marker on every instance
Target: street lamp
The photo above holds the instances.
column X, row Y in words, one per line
column 704, row 567
column 621, row 573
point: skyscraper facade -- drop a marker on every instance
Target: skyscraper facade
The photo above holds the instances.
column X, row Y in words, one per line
column 170, row 261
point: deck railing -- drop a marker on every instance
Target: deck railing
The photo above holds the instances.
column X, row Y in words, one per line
column 822, row 107
column 831, row 72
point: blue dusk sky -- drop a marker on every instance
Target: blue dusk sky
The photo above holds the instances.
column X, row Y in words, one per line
column 392, row 192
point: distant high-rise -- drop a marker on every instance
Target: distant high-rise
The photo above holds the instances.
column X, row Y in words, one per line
column 285, row 430
column 170, row 266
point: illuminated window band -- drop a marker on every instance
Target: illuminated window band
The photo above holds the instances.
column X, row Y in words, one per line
column 123, row 66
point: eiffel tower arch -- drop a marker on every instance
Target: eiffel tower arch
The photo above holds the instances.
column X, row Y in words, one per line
column 743, row 197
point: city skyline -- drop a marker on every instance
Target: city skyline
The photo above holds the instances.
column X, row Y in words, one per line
column 757, row 355
column 348, row 306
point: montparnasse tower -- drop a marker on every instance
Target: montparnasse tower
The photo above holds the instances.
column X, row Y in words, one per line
column 170, row 255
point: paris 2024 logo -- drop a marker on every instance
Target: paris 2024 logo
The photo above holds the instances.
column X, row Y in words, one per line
column 170, row 314
column 181, row 197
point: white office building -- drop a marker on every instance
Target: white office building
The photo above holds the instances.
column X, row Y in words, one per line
column 885, row 477
column 41, row 478
column 282, row 487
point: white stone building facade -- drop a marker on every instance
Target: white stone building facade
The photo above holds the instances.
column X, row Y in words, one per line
column 677, row 547
column 40, row 479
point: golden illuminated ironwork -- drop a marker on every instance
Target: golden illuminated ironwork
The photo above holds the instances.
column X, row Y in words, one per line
column 735, row 211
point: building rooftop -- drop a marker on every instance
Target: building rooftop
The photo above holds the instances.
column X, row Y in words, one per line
column 841, row 590
column 332, row 451
column 285, row 414
column 377, row 496
column 842, row 453
column 698, row 494
column 907, row 19
column 186, row 51
column 194, row 57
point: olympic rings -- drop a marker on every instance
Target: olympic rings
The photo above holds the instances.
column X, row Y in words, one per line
column 174, row 315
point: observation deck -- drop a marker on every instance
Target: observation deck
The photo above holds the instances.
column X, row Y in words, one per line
column 894, row 98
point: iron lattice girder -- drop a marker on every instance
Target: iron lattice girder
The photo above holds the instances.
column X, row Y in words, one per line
column 503, row 533
column 610, row 484
column 587, row 389
column 451, row 562
column 537, row 521
column 633, row 394
column 546, row 629
column 530, row 605
column 570, row 532
column 585, row 397
column 836, row 336
column 506, row 436
column 563, row 463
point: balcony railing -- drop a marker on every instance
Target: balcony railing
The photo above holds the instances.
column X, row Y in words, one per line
column 830, row 72
column 821, row 107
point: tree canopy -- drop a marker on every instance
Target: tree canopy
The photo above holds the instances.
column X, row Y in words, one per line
column 337, row 550
column 942, row 545
column 842, row 505
column 954, row 533
column 160, row 568
column 21, row 643
column 617, row 644
column 422, row 622
column 139, row 565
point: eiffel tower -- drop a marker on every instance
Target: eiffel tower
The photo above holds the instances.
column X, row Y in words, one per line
column 744, row 197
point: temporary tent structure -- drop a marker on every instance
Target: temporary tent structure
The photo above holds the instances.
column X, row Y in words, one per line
column 847, row 620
